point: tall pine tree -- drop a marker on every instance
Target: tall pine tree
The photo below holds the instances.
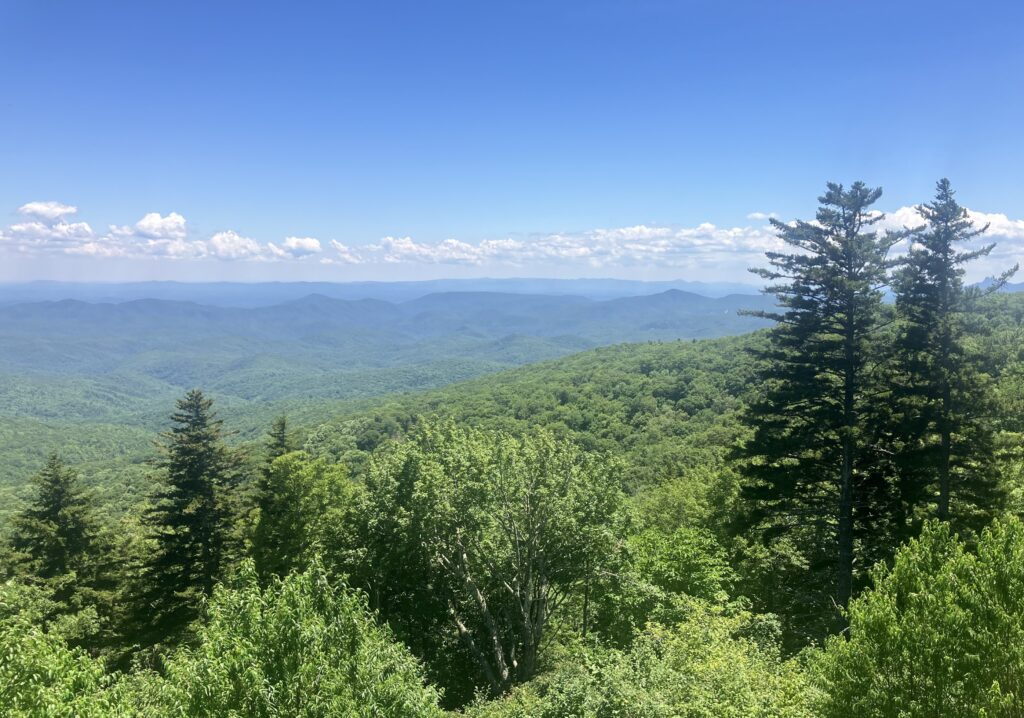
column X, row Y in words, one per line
column 276, row 501
column 945, row 451
column 278, row 443
column 808, row 464
column 190, row 520
column 54, row 536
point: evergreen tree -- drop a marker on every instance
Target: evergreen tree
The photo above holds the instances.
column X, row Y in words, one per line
column 190, row 520
column 54, row 536
column 278, row 443
column 274, row 505
column 945, row 444
column 305, row 509
column 809, row 466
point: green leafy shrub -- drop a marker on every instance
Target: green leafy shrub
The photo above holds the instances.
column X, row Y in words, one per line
column 301, row 647
column 940, row 634
column 40, row 676
column 707, row 666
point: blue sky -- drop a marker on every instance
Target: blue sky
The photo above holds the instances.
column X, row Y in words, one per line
column 246, row 140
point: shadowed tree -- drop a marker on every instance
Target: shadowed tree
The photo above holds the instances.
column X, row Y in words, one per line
column 278, row 443
column 305, row 509
column 808, row 465
column 55, row 535
column 190, row 520
column 940, row 393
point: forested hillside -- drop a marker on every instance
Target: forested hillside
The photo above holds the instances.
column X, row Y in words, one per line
column 94, row 380
column 819, row 518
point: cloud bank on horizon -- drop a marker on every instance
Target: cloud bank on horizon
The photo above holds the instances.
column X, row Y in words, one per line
column 50, row 228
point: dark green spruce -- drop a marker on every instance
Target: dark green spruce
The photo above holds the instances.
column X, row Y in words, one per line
column 190, row 520
column 54, row 535
column 808, row 464
column 945, row 450
column 278, row 442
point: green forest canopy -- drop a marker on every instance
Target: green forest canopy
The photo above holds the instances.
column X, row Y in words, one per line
column 643, row 530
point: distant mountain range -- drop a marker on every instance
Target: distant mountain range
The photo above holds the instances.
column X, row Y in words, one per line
column 107, row 373
column 37, row 334
column 235, row 294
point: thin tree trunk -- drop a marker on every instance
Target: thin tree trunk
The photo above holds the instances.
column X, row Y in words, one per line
column 945, row 457
column 945, row 343
column 586, row 603
column 844, row 579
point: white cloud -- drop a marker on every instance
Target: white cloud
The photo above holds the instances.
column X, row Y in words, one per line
column 625, row 246
column 48, row 210
column 155, row 226
column 636, row 232
column 231, row 245
column 295, row 247
column 154, row 235
column 36, row 236
column 174, row 248
column 450, row 251
column 1005, row 233
column 902, row 218
column 705, row 249
column 345, row 254
column 761, row 216
column 43, row 233
column 98, row 248
column 999, row 225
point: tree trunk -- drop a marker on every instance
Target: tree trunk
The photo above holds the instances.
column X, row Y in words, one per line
column 844, row 579
column 586, row 604
column 945, row 418
column 945, row 453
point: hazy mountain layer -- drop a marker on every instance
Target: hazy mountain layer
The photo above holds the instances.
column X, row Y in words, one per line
column 68, row 367
column 236, row 294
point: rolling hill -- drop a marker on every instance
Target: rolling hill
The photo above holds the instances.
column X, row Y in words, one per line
column 96, row 380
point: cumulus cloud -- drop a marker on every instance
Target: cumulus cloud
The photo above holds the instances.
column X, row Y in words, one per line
column 345, row 254
column 705, row 248
column 295, row 247
column 48, row 231
column 999, row 225
column 97, row 248
column 1007, row 234
column 174, row 248
column 155, row 226
column 450, row 251
column 622, row 246
column 48, row 210
column 154, row 235
column 58, row 233
column 231, row 245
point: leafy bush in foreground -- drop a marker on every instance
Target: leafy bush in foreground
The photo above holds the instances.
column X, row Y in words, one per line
column 713, row 664
column 300, row 647
column 940, row 634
